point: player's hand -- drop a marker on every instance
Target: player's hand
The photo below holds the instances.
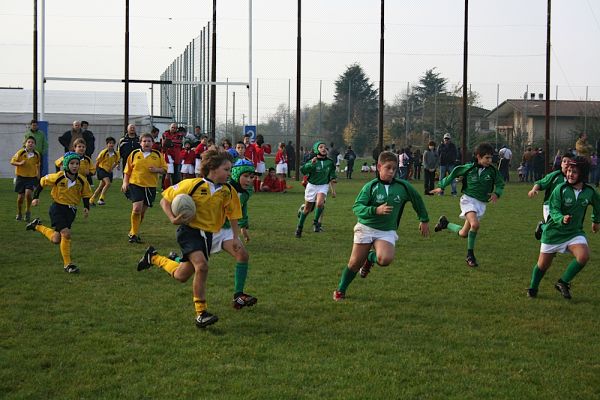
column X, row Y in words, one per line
column 35, row 202
column 424, row 229
column 314, row 160
column 436, row 191
column 595, row 227
column 384, row 209
column 566, row 219
column 244, row 233
column 493, row 197
column 124, row 187
column 532, row 193
column 236, row 245
column 86, row 212
column 333, row 194
column 178, row 220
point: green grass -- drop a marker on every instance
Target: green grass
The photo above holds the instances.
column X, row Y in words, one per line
column 425, row 327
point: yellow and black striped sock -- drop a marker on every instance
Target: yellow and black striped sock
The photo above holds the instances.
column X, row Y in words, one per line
column 199, row 305
column 65, row 250
column 44, row 230
column 165, row 263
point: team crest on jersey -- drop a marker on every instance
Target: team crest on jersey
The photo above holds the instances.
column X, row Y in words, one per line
column 585, row 202
column 568, row 201
column 397, row 199
column 380, row 197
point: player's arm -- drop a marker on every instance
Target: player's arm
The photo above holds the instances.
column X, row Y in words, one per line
column 15, row 159
column 363, row 206
column 554, row 203
column 127, row 171
column 47, row 180
column 456, row 172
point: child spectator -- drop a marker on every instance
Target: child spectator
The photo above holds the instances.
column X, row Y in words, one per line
column 521, row 172
column 201, row 148
column 106, row 161
column 140, row 177
column 188, row 160
column 86, row 167
column 481, row 183
column 431, row 161
column 271, row 182
column 379, row 207
column 27, row 162
column 68, row 189
column 281, row 166
column 215, row 201
column 564, row 229
column 365, row 168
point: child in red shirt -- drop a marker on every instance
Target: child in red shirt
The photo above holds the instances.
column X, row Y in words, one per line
column 188, row 160
column 271, row 183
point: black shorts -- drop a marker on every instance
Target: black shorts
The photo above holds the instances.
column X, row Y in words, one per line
column 192, row 239
column 139, row 193
column 23, row 182
column 101, row 174
column 61, row 216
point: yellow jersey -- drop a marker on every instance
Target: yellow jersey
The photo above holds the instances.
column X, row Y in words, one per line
column 65, row 191
column 107, row 161
column 85, row 165
column 214, row 203
column 31, row 168
column 139, row 164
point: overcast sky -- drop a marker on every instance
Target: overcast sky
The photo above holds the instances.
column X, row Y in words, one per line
column 507, row 44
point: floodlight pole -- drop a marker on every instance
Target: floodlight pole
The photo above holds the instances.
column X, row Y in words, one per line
column 126, row 98
column 35, row 60
column 43, row 63
column 464, row 94
column 298, row 76
column 381, row 70
column 213, row 74
column 547, row 119
column 250, row 65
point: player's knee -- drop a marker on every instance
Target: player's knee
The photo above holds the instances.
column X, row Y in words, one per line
column 66, row 235
column 384, row 261
column 475, row 226
column 463, row 233
column 582, row 259
column 56, row 238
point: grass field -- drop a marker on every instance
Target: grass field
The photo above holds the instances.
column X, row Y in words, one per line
column 425, row 327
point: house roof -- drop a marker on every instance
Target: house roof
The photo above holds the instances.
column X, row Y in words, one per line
column 537, row 108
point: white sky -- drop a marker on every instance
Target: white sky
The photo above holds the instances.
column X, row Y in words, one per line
column 507, row 43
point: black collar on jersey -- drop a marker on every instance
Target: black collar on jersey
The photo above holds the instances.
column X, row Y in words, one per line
column 238, row 188
column 216, row 185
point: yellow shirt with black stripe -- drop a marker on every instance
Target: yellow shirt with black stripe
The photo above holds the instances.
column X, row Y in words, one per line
column 86, row 167
column 214, row 203
column 139, row 164
column 65, row 191
column 31, row 168
column 107, row 161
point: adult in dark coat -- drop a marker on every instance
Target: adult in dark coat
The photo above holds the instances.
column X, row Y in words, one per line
column 291, row 155
column 75, row 133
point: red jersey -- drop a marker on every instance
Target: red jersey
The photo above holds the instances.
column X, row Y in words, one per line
column 177, row 139
column 188, row 156
column 273, row 183
column 281, row 157
column 201, row 148
column 250, row 154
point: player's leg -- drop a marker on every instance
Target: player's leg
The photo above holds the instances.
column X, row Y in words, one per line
column 28, row 199
column 200, row 264
column 357, row 259
column 308, row 207
column 582, row 256
column 240, row 299
column 469, row 231
column 65, row 251
column 20, row 200
column 105, row 184
column 137, row 208
column 97, row 192
column 320, row 207
column 543, row 263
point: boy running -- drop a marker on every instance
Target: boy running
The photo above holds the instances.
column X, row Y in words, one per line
column 379, row 207
column 482, row 183
column 563, row 231
column 106, row 161
column 215, row 201
column 549, row 183
column 86, row 167
column 68, row 189
column 140, row 177
column 27, row 169
column 321, row 172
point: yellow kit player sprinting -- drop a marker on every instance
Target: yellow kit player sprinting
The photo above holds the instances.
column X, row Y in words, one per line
column 86, row 167
column 27, row 171
column 106, row 161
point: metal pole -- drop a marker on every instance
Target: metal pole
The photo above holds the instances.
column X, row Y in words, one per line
column 555, row 118
column 407, row 111
column 213, row 74
column 226, row 105
column 250, row 115
column 434, row 113
column 497, row 103
column 233, row 117
column 43, row 63
column 464, row 92
column 298, row 80
column 289, row 110
column 250, row 68
column 585, row 110
column 547, row 127
column 126, row 98
column 381, row 70
column 151, row 105
column 35, row 60
column 320, row 106
column 349, row 94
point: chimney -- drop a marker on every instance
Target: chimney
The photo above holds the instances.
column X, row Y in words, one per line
column 540, row 96
column 532, row 96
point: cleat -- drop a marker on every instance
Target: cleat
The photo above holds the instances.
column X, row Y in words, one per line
column 338, row 296
column 205, row 319
column 538, row 230
column 101, row 202
column 134, row 239
column 317, row 227
column 146, row 260
column 471, row 261
column 442, row 224
column 299, row 233
column 244, row 300
column 173, row 256
column 71, row 269
column 365, row 269
column 563, row 287
column 28, row 216
column 19, row 217
column 532, row 293
column 92, row 203
column 31, row 226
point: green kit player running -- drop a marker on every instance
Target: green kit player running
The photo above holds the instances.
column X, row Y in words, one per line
column 482, row 183
column 563, row 232
column 549, row 183
column 379, row 207
column 321, row 172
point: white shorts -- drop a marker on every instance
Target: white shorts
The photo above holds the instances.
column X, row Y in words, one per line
column 260, row 167
column 562, row 247
column 197, row 166
column 310, row 194
column 218, row 238
column 187, row 169
column 365, row 235
column 281, row 168
column 170, row 168
column 546, row 211
column 469, row 204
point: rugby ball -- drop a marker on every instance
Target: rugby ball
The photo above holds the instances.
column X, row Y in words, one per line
column 183, row 204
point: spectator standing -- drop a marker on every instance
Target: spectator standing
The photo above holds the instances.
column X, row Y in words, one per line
column 504, row 165
column 418, row 162
column 90, row 140
column 67, row 138
column 128, row 143
column 582, row 146
column 431, row 162
column 350, row 157
column 538, row 164
column 172, row 142
column 449, row 158
column 41, row 144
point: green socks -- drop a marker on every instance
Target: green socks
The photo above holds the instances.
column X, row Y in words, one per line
column 372, row 257
column 572, row 270
column 454, row 227
column 536, row 277
column 301, row 220
column 471, row 240
column 241, row 271
column 347, row 277
column 318, row 213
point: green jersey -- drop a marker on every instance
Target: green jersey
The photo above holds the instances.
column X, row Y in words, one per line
column 395, row 194
column 41, row 145
column 550, row 182
column 478, row 181
column 320, row 173
column 244, row 196
column 565, row 200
